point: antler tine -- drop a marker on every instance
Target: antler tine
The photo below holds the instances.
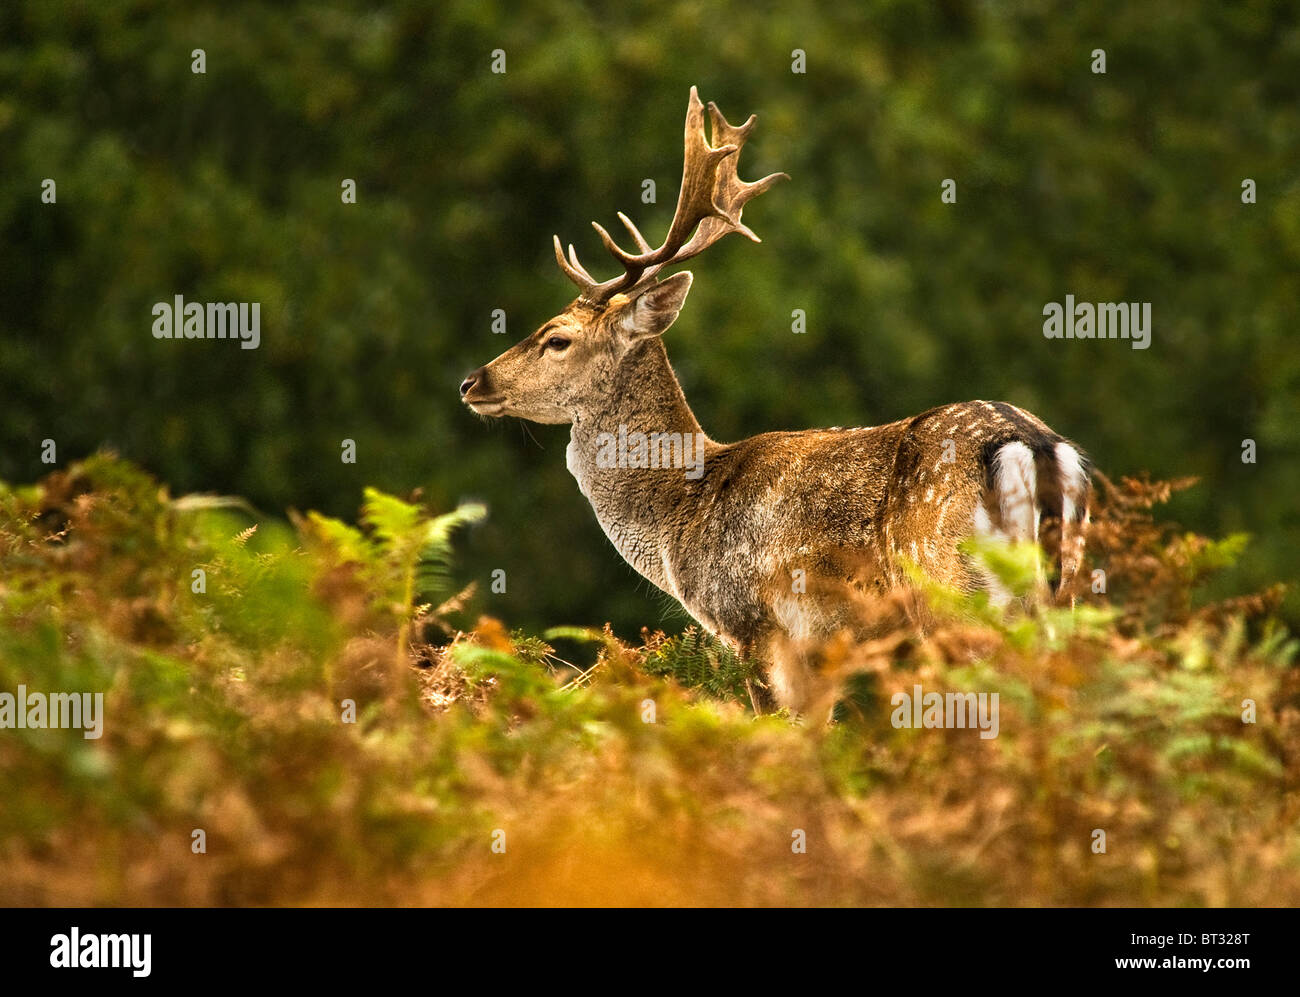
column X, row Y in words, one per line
column 575, row 271
column 573, row 260
column 695, row 201
column 732, row 193
column 632, row 263
column 730, row 134
column 709, row 204
column 628, row 260
column 636, row 233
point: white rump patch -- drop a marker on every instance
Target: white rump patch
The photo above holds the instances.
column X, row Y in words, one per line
column 1015, row 484
column 1074, row 482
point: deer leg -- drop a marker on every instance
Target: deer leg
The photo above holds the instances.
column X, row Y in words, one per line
column 756, row 655
column 788, row 675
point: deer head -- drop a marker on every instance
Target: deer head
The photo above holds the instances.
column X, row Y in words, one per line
column 564, row 367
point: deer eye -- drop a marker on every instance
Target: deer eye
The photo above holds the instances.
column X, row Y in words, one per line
column 557, row 343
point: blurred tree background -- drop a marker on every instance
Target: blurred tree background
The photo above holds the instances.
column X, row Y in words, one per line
column 225, row 186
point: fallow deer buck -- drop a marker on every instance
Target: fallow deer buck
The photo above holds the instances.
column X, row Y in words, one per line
column 843, row 507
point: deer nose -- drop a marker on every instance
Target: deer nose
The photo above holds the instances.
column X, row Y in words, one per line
column 470, row 380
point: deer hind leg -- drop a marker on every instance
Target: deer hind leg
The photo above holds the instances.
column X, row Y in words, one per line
column 781, row 654
column 1076, row 491
column 757, row 656
column 788, row 681
column 795, row 651
column 786, row 676
column 779, row 676
column 790, row 676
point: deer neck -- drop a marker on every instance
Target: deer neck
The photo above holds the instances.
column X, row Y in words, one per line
column 644, row 420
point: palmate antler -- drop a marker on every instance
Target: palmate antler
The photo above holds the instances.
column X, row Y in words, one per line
column 709, row 205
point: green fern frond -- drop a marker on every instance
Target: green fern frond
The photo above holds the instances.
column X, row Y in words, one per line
column 434, row 557
column 697, row 660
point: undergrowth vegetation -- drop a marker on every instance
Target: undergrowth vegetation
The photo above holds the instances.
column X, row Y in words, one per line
column 318, row 699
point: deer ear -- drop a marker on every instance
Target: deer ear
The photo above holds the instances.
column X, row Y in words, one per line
column 656, row 308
